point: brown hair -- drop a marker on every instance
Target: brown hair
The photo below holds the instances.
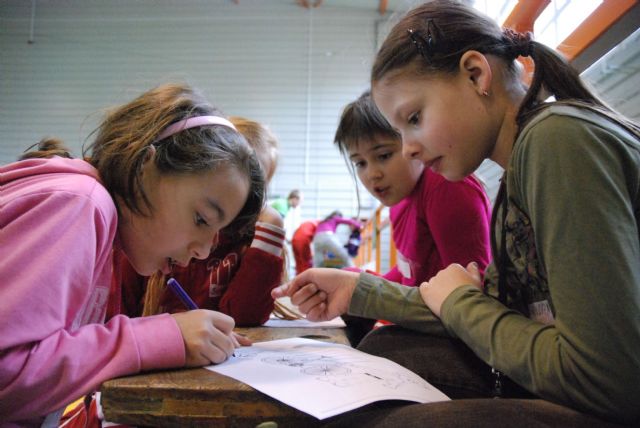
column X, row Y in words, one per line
column 361, row 120
column 432, row 38
column 262, row 140
column 46, row 148
column 294, row 194
column 123, row 139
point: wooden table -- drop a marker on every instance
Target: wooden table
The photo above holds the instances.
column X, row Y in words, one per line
column 200, row 397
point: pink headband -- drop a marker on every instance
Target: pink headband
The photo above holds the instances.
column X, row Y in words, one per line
column 192, row 122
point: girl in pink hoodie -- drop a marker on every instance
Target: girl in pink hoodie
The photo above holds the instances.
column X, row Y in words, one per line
column 165, row 173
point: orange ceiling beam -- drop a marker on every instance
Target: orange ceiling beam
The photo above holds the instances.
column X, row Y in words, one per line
column 524, row 14
column 307, row 4
column 382, row 7
column 589, row 30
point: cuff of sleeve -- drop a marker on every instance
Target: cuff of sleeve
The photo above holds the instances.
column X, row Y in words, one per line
column 269, row 238
column 361, row 293
column 375, row 297
column 159, row 341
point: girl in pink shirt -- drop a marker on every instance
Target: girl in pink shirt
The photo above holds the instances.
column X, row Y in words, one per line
column 328, row 251
column 164, row 175
column 435, row 222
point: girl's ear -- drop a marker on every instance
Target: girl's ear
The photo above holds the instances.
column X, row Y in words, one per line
column 147, row 163
column 477, row 70
column 151, row 152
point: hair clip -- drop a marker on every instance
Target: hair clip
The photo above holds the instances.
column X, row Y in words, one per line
column 428, row 45
column 420, row 43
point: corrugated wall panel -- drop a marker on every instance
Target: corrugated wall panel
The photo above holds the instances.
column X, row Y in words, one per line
column 288, row 67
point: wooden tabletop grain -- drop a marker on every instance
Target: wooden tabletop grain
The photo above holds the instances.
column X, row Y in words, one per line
column 200, row 397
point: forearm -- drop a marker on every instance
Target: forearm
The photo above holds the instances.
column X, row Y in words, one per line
column 58, row 369
column 374, row 297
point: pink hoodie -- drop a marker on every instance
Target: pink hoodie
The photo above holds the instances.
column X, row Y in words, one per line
column 58, row 224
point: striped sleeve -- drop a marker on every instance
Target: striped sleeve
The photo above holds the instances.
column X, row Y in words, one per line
column 269, row 238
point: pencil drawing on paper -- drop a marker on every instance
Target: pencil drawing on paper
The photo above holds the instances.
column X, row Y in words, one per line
column 338, row 371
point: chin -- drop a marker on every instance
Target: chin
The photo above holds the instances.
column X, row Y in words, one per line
column 142, row 269
column 454, row 175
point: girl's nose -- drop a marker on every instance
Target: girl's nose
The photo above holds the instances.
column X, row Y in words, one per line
column 375, row 173
column 411, row 149
column 201, row 247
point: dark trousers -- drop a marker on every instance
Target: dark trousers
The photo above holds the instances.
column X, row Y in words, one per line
column 451, row 366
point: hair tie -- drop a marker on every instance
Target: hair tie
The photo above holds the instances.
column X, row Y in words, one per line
column 192, row 122
column 518, row 44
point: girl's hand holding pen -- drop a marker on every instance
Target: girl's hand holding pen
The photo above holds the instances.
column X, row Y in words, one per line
column 320, row 293
column 208, row 336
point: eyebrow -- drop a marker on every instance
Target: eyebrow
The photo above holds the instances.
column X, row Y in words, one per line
column 400, row 112
column 217, row 208
column 372, row 149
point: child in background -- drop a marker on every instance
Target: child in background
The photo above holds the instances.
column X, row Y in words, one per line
column 301, row 245
column 327, row 249
column 293, row 201
column 240, row 271
column 293, row 216
column 435, row 222
column 558, row 317
column 164, row 174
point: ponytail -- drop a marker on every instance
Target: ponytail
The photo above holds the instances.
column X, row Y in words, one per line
column 432, row 38
column 554, row 76
column 46, row 148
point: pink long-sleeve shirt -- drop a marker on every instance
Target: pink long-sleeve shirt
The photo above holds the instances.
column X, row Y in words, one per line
column 58, row 225
column 439, row 223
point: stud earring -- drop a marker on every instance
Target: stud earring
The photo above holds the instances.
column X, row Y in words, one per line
column 485, row 93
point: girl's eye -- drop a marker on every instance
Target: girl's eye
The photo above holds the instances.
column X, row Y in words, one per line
column 359, row 164
column 414, row 119
column 385, row 156
column 200, row 221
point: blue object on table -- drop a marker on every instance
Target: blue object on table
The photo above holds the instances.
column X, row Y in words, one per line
column 182, row 295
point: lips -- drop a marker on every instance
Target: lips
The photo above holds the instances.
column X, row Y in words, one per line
column 167, row 266
column 381, row 191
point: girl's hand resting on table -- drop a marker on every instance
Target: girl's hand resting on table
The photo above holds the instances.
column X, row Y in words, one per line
column 208, row 336
column 320, row 293
column 435, row 291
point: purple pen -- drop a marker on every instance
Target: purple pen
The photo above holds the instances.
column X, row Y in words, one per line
column 182, row 295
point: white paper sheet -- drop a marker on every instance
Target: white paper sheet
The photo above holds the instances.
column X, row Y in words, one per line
column 324, row 379
column 303, row 322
